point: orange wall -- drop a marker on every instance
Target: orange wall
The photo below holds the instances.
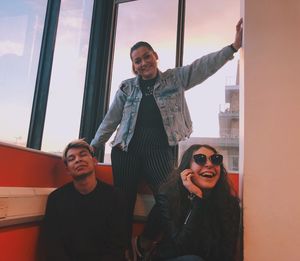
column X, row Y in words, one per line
column 29, row 168
column 19, row 243
column 22, row 167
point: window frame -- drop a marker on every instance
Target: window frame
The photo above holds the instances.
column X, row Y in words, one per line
column 98, row 71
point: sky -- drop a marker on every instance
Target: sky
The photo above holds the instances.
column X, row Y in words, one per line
column 210, row 25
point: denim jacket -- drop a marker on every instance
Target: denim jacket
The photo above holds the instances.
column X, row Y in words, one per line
column 169, row 95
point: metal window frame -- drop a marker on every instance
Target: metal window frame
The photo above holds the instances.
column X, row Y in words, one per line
column 179, row 49
column 180, row 32
column 123, row 1
column 98, row 71
column 39, row 105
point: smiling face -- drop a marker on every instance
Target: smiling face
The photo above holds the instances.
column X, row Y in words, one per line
column 207, row 175
column 80, row 163
column 144, row 62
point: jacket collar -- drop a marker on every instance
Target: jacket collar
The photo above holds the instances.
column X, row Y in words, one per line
column 137, row 78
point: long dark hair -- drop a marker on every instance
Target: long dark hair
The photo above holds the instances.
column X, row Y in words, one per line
column 222, row 194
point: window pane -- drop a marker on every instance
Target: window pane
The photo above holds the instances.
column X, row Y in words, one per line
column 153, row 21
column 21, row 29
column 210, row 25
column 68, row 75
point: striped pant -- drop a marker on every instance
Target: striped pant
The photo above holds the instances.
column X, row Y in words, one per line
column 148, row 158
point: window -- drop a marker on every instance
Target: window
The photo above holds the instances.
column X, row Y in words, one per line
column 68, row 75
column 153, row 21
column 21, row 29
column 209, row 27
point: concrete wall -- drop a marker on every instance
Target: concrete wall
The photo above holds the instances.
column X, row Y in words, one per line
column 270, row 129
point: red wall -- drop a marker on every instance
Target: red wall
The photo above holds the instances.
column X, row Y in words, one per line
column 19, row 243
column 22, row 167
column 29, row 168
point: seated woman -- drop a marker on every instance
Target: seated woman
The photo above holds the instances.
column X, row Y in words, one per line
column 196, row 211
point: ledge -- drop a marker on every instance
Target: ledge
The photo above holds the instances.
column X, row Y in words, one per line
column 22, row 205
column 19, row 205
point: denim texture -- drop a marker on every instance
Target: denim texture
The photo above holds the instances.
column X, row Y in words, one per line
column 169, row 95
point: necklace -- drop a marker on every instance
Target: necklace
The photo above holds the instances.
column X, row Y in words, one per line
column 148, row 91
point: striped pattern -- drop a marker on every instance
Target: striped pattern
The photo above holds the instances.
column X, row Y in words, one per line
column 149, row 157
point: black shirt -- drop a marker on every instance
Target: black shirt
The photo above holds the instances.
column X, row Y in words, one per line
column 149, row 115
column 85, row 227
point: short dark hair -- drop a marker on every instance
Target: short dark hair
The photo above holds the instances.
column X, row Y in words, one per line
column 79, row 143
column 140, row 44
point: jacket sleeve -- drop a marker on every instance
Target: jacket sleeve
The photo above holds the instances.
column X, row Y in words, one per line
column 204, row 67
column 232, row 234
column 111, row 120
column 117, row 240
column 177, row 240
column 182, row 240
column 51, row 236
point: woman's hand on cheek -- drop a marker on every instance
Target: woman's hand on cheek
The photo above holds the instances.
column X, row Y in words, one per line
column 186, row 177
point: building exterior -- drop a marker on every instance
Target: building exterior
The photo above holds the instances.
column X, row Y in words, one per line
column 228, row 142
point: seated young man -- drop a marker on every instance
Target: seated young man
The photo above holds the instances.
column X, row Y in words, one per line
column 84, row 218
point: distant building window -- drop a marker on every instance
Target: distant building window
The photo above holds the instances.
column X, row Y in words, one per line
column 235, row 163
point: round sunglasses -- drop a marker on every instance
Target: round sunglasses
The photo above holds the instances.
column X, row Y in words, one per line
column 215, row 159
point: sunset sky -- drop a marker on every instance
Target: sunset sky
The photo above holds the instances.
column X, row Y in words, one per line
column 210, row 25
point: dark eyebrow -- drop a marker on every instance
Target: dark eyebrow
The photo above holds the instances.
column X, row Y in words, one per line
column 82, row 151
column 147, row 53
column 69, row 157
column 143, row 55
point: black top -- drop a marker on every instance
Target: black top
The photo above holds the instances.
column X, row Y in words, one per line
column 149, row 115
column 149, row 130
column 85, row 227
column 202, row 232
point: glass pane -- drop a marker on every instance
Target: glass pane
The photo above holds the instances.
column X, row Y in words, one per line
column 153, row 21
column 68, row 75
column 21, row 29
column 210, row 26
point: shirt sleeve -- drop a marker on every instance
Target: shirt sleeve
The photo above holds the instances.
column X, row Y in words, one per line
column 117, row 240
column 51, row 236
column 232, row 234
